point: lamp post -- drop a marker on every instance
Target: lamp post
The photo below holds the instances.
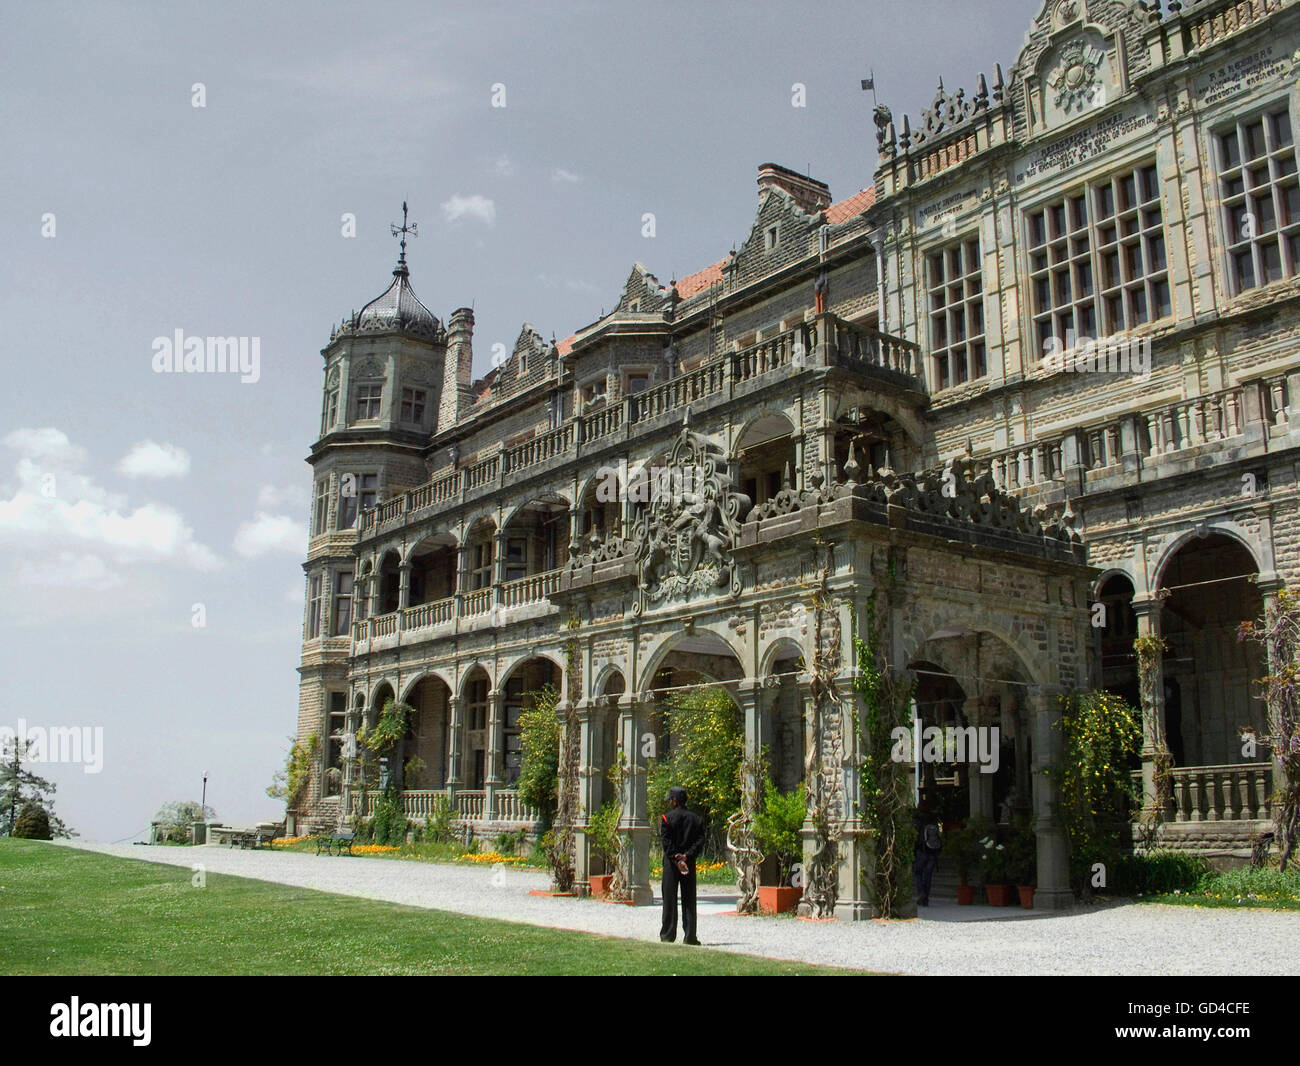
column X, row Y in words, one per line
column 203, row 803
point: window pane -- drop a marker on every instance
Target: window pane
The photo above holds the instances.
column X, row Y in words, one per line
column 1254, row 140
column 1231, row 151
column 1244, row 269
column 1281, row 129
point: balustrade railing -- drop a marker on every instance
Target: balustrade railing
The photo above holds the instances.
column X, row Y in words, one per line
column 1205, row 420
column 540, row 448
column 482, row 473
column 598, row 424
column 470, row 804
column 511, row 809
column 530, row 589
column 423, row 615
column 478, row 602
column 383, row 625
column 1232, row 793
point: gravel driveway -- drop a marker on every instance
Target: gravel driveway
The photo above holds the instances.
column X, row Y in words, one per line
column 1111, row 939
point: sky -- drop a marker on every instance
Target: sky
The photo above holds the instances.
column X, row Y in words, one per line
column 232, row 170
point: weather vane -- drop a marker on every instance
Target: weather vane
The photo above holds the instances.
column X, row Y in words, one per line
column 404, row 229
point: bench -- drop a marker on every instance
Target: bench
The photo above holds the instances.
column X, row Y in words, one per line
column 340, row 838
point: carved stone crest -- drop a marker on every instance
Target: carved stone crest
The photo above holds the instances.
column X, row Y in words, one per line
column 1067, row 11
column 684, row 537
column 1075, row 80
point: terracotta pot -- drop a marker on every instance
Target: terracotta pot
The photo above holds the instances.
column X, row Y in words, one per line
column 998, row 895
column 778, row 899
column 1026, row 896
column 600, row 885
column 965, row 895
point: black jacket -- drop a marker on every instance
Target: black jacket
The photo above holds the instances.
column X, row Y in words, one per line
column 682, row 833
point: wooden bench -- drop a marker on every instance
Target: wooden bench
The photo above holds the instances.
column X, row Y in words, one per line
column 340, row 838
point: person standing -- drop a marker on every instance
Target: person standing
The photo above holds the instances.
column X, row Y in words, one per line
column 928, row 844
column 682, row 834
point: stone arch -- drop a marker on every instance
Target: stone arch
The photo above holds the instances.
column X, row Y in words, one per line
column 1106, row 575
column 775, row 652
column 467, row 674
column 766, row 457
column 1223, row 526
column 671, row 641
column 607, row 676
column 428, row 674
column 550, row 656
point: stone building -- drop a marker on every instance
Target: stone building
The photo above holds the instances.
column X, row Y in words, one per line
column 1026, row 397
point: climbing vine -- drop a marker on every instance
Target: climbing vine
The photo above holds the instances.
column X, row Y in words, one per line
column 1279, row 634
column 885, row 800
column 741, row 840
column 559, row 842
column 824, row 760
column 1149, row 649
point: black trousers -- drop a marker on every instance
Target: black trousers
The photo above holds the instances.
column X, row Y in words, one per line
column 673, row 879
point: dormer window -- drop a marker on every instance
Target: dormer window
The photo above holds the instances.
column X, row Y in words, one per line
column 368, row 401
column 413, row 401
column 771, row 238
column 637, row 382
column 634, row 306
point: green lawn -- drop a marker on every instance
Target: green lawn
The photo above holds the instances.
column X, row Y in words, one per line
column 64, row 911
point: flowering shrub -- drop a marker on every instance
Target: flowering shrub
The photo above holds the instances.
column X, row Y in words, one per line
column 491, row 858
column 374, row 849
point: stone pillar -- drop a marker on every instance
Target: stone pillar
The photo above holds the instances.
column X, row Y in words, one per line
column 591, row 744
column 492, row 782
column 404, row 585
column 857, row 844
column 980, row 785
column 635, row 824
column 1054, row 891
column 1152, row 689
column 456, row 745
column 755, row 706
column 498, row 567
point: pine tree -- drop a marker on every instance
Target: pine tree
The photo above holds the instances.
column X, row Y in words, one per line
column 20, row 787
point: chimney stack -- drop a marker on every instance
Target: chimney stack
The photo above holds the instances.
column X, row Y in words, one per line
column 458, row 369
column 810, row 194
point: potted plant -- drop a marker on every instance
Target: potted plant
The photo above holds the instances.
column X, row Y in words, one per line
column 602, row 831
column 963, row 845
column 1022, row 862
column 994, row 862
column 778, row 833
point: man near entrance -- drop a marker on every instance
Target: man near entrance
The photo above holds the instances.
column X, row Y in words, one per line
column 682, row 834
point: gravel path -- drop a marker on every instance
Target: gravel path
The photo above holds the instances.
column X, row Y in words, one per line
column 1131, row 939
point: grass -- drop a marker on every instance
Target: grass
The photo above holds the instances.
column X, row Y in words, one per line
column 64, row 911
column 1267, row 888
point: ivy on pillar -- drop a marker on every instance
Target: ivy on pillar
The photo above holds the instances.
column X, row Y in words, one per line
column 1151, row 682
column 456, row 745
column 1053, row 891
column 591, row 742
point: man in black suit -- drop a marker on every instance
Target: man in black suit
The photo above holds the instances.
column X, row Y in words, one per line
column 682, row 834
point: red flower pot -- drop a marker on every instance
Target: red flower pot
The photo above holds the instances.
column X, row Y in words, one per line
column 778, row 899
column 1026, row 896
column 998, row 895
column 965, row 895
column 600, row 885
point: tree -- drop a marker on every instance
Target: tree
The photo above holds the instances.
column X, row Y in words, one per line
column 539, row 738
column 708, row 746
column 174, row 819
column 33, row 823
column 19, row 787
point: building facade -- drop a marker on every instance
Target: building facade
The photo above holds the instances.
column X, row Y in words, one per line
column 1024, row 399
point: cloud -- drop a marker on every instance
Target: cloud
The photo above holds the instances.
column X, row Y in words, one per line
column 66, row 529
column 564, row 177
column 476, row 207
column 504, row 167
column 268, row 533
column 272, row 496
column 149, row 459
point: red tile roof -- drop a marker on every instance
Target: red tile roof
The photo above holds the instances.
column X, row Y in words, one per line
column 854, row 205
column 693, row 283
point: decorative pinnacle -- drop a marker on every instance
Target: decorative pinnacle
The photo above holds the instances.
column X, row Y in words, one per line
column 403, row 230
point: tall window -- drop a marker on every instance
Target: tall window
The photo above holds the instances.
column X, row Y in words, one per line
column 342, row 603
column 321, row 508
column 1261, row 200
column 480, row 575
column 476, row 704
column 956, row 293
column 1097, row 261
column 516, row 558
column 336, row 730
column 413, row 405
column 512, row 707
column 315, row 602
column 362, row 491
column 330, row 413
column 368, row 400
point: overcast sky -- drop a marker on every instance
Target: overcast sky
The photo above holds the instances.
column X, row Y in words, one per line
column 128, row 497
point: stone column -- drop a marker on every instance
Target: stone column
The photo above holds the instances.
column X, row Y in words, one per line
column 404, row 585
column 492, row 782
column 980, row 785
column 591, row 743
column 857, row 843
column 455, row 745
column 1147, row 610
column 635, row 824
column 498, row 567
column 1054, row 891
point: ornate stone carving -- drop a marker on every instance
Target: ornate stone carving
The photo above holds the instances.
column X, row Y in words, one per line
column 685, row 536
column 368, row 368
column 1075, row 80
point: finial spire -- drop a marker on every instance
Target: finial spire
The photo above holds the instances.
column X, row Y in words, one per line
column 402, row 231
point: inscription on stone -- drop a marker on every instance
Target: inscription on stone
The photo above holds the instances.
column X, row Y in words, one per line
column 1083, row 144
column 1241, row 75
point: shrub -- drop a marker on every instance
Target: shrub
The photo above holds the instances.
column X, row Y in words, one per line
column 539, row 738
column 174, row 819
column 389, row 823
column 33, row 823
column 778, row 827
column 510, row 843
column 440, row 826
column 1158, row 872
column 602, row 831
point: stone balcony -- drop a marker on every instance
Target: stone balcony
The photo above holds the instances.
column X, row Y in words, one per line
column 823, row 342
